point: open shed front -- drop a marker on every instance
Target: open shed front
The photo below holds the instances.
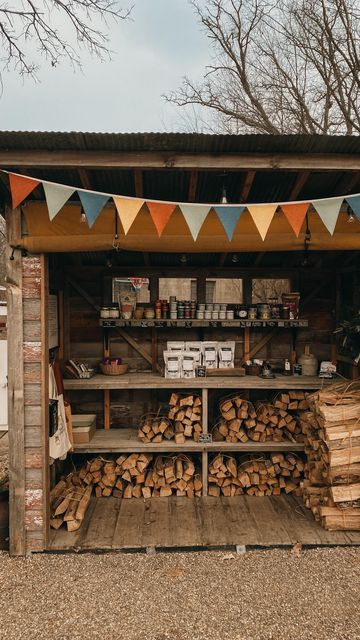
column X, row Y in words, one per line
column 62, row 276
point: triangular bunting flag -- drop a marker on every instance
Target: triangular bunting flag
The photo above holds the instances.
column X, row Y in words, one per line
column 328, row 211
column 160, row 214
column 262, row 214
column 354, row 202
column 56, row 195
column 20, row 188
column 195, row 215
column 295, row 213
column 92, row 204
column 229, row 217
column 127, row 209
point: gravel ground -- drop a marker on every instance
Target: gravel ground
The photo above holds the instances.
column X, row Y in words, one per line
column 273, row 594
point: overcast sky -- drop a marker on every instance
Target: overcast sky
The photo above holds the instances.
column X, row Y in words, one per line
column 152, row 53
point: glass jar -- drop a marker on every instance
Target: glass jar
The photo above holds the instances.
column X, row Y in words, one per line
column 252, row 313
column 264, row 311
column 274, row 308
column 105, row 313
column 285, row 313
column 114, row 312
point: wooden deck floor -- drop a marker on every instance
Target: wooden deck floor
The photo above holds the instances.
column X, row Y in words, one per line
column 112, row 524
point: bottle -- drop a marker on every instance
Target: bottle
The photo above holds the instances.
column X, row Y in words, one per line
column 287, row 367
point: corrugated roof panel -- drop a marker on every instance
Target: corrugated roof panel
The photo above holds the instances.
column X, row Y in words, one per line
column 181, row 142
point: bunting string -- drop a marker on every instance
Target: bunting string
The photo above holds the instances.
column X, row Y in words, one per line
column 128, row 208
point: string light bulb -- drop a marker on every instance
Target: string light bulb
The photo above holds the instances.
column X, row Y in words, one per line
column 82, row 216
column 223, row 199
column 351, row 216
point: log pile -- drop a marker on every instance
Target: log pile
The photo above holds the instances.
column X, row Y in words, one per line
column 183, row 421
column 241, row 422
column 137, row 475
column 255, row 475
column 331, row 488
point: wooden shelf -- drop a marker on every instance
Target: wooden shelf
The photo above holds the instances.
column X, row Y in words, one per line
column 125, row 440
column 147, row 380
column 193, row 323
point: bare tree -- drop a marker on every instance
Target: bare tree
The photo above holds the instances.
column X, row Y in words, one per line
column 279, row 66
column 56, row 29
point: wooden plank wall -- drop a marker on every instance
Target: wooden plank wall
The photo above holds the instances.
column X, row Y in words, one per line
column 35, row 353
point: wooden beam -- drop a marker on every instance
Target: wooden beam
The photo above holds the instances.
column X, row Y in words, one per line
column 193, row 186
column 30, row 159
column 246, row 187
column 139, row 183
column 299, row 183
column 347, row 183
column 259, row 258
column 44, row 304
column 16, row 409
column 85, row 179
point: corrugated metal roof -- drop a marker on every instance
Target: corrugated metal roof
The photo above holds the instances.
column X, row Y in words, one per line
column 181, row 142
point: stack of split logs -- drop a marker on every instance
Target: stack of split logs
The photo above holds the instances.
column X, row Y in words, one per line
column 182, row 421
column 255, row 475
column 240, row 421
column 331, row 488
column 129, row 476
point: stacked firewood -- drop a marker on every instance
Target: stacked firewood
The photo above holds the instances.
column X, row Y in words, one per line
column 137, row 475
column 331, row 427
column 183, row 421
column 256, row 476
column 240, row 421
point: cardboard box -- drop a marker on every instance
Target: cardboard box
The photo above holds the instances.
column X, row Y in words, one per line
column 84, row 427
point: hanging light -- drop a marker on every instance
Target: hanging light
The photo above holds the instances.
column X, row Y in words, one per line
column 223, row 199
column 234, row 258
column 351, row 216
column 82, row 216
column 183, row 258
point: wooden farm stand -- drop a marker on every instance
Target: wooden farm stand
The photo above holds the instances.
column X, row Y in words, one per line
column 66, row 258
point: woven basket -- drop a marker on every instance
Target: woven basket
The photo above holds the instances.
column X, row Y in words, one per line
column 113, row 369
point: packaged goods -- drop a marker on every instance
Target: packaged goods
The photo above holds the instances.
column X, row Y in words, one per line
column 195, row 349
column 173, row 361
column 209, row 354
column 226, row 354
column 188, row 364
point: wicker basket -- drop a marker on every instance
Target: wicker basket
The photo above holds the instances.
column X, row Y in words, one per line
column 113, row 369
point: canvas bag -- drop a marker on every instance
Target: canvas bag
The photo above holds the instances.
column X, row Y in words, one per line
column 59, row 443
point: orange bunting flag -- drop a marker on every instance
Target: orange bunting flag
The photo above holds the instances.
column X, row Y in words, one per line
column 20, row 188
column 295, row 213
column 127, row 209
column 160, row 214
column 262, row 214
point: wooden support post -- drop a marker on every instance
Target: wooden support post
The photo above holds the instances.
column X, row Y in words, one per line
column 107, row 409
column 44, row 304
column 154, row 350
column 61, row 324
column 201, row 289
column 246, row 344
column 204, row 472
column 15, row 333
column 205, row 410
column 106, row 354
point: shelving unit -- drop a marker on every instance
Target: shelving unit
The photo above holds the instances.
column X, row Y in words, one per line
column 193, row 323
column 125, row 440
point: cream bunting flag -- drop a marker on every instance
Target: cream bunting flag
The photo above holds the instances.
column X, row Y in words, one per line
column 56, row 196
column 127, row 208
column 328, row 211
column 195, row 215
column 262, row 214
